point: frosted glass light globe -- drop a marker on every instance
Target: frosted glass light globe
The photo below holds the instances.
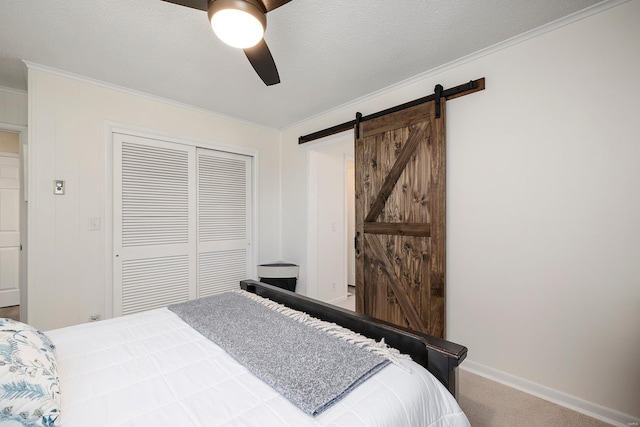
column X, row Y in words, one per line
column 237, row 28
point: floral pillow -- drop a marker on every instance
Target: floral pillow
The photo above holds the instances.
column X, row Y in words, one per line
column 29, row 386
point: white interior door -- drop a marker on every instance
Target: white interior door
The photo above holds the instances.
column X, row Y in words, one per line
column 181, row 221
column 224, row 221
column 153, row 223
column 9, row 230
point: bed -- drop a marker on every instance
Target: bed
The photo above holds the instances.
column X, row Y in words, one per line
column 154, row 369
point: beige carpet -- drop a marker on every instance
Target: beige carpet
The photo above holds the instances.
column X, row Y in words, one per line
column 491, row 404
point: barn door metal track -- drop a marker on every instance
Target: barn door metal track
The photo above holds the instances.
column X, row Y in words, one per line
column 455, row 92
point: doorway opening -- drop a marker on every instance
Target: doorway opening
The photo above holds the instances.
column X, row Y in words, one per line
column 331, row 220
column 13, row 223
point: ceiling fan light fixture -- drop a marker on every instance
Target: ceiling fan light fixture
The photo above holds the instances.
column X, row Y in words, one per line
column 238, row 23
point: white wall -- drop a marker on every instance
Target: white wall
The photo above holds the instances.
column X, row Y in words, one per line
column 67, row 119
column 542, row 209
column 13, row 107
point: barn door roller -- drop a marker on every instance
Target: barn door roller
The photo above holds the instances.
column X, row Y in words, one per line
column 438, row 96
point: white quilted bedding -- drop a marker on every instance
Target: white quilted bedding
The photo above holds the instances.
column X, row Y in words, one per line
column 152, row 369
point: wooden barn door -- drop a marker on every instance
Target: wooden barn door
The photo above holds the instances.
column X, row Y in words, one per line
column 400, row 218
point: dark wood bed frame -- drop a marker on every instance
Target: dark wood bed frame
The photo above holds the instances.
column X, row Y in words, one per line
column 438, row 356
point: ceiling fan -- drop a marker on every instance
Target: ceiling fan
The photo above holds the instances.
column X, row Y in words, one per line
column 228, row 19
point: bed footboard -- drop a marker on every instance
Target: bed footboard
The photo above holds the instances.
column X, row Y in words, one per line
column 438, row 356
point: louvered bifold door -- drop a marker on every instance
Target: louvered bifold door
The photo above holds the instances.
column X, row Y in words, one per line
column 224, row 230
column 154, row 223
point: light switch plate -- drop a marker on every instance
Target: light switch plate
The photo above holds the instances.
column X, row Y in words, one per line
column 58, row 187
column 94, row 223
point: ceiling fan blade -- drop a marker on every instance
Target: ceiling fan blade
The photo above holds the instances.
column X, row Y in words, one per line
column 260, row 58
column 195, row 4
column 269, row 5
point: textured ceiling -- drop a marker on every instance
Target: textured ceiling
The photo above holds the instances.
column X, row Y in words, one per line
column 328, row 52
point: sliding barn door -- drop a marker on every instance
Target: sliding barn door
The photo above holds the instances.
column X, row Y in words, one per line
column 154, row 223
column 400, row 219
column 224, row 226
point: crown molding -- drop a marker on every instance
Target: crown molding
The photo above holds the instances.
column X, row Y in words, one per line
column 67, row 74
column 551, row 26
column 12, row 90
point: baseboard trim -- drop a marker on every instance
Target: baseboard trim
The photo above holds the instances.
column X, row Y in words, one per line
column 9, row 297
column 338, row 300
column 574, row 403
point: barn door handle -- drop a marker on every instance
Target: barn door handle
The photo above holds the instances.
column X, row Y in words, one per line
column 355, row 242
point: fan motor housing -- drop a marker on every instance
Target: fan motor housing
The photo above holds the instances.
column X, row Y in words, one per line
column 252, row 7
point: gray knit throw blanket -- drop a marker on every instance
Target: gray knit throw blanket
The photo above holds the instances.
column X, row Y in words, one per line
column 310, row 365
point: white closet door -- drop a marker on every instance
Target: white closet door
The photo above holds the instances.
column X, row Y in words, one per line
column 154, row 223
column 224, row 226
column 9, row 230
